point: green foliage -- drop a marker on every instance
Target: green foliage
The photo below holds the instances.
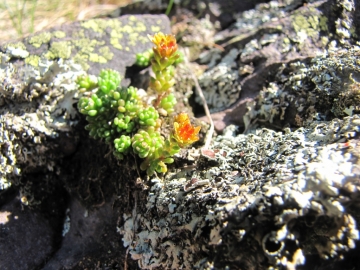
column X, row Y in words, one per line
column 148, row 117
column 86, row 83
column 129, row 123
column 168, row 103
column 122, row 146
column 108, row 80
column 143, row 59
column 180, row 59
column 146, row 142
column 121, row 118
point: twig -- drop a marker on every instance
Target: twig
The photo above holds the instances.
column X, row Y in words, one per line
column 210, row 132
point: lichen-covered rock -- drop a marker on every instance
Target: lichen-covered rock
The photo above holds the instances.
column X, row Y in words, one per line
column 274, row 36
column 221, row 83
column 37, row 107
column 40, row 133
column 269, row 197
column 322, row 88
column 94, row 44
column 38, row 86
column 275, row 197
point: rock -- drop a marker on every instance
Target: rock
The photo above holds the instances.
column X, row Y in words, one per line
column 282, row 195
column 38, row 76
column 39, row 136
column 276, row 197
column 26, row 237
column 268, row 38
column 87, row 232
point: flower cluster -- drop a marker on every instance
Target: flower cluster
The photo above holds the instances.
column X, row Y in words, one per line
column 184, row 133
column 165, row 54
column 125, row 120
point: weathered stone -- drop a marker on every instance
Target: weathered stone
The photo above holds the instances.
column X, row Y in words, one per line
column 26, row 237
column 276, row 197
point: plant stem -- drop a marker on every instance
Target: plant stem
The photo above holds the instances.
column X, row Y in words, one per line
column 167, row 12
column 210, row 132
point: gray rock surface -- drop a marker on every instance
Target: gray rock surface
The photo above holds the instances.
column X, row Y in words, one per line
column 26, row 237
column 282, row 195
column 39, row 139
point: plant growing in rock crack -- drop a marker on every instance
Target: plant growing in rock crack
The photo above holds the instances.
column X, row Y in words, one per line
column 123, row 118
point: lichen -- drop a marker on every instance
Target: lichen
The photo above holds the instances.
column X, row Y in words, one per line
column 25, row 126
column 60, row 49
column 40, row 39
column 32, row 60
column 16, row 50
column 221, row 83
column 257, row 194
column 330, row 84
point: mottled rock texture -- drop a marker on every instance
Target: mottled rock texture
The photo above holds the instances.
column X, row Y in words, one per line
column 282, row 195
column 42, row 134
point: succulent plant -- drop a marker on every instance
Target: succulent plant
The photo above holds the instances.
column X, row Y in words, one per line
column 126, row 122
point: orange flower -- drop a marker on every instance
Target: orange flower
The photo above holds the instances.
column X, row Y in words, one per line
column 184, row 133
column 165, row 44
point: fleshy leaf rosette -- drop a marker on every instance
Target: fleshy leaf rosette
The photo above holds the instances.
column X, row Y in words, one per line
column 129, row 123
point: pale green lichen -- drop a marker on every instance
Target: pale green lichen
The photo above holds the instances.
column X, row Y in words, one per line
column 17, row 45
column 106, row 53
column 104, row 56
column 82, row 60
column 79, row 34
column 96, row 25
column 115, row 35
column 155, row 28
column 310, row 24
column 40, row 39
column 32, row 60
column 86, row 52
column 59, row 34
column 302, row 24
column 61, row 49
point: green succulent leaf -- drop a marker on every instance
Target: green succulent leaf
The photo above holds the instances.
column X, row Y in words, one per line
column 108, row 80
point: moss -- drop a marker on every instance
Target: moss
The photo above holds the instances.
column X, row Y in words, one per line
column 40, row 39
column 32, row 60
column 61, row 49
